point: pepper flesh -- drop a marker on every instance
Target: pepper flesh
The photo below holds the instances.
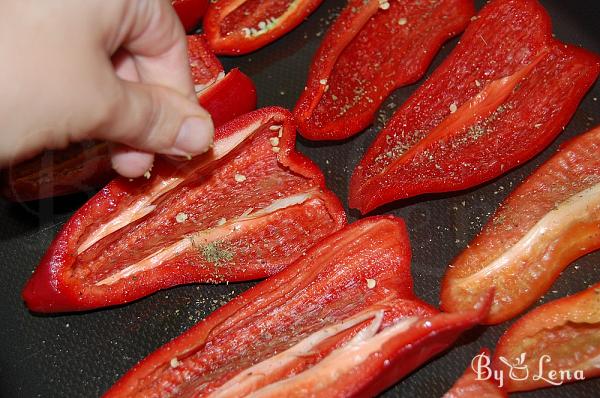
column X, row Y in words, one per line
column 567, row 331
column 472, row 385
column 368, row 53
column 244, row 210
column 235, row 27
column 548, row 222
column 87, row 165
column 502, row 95
column 284, row 336
column 190, row 12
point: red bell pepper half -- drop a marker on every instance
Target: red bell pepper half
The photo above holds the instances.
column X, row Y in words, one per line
column 549, row 221
column 235, row 27
column 502, row 95
column 224, row 96
column 556, row 343
column 84, row 166
column 244, row 210
column 373, row 48
column 341, row 321
column 474, row 385
column 190, row 12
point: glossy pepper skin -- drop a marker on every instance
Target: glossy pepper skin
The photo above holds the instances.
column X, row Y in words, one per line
column 368, row 53
column 244, row 210
column 235, row 27
column 502, row 95
column 83, row 166
column 566, row 330
column 311, row 329
column 545, row 224
column 190, row 12
column 472, row 385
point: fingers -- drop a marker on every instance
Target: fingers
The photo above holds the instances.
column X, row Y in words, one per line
column 159, row 113
column 156, row 119
column 156, row 42
column 129, row 162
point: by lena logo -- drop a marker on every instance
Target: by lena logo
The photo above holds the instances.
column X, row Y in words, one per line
column 519, row 370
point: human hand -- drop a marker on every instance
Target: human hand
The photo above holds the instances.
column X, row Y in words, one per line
column 97, row 69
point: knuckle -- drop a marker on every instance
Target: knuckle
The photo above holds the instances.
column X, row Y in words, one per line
column 160, row 130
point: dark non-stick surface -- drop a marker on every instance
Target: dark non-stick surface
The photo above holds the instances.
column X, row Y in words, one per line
column 82, row 355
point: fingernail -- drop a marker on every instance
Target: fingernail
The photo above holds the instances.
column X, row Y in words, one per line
column 195, row 136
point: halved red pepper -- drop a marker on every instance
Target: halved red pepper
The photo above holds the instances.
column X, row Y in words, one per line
column 224, row 96
column 556, row 343
column 502, row 95
column 235, row 27
column 341, row 321
column 474, row 385
column 549, row 221
column 371, row 49
column 87, row 165
column 244, row 210
column 190, row 12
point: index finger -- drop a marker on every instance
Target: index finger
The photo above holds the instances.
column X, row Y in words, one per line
column 155, row 40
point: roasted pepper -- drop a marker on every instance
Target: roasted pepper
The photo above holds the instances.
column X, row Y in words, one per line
column 341, row 321
column 549, row 221
column 236, row 27
column 87, row 165
column 244, row 210
column 371, row 49
column 502, row 95
column 556, row 343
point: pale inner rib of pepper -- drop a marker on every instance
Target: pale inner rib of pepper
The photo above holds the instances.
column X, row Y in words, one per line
column 206, row 237
column 201, row 88
column 529, row 254
column 366, row 343
column 486, row 106
column 246, row 381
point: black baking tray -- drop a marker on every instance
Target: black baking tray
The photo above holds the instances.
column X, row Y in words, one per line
column 82, row 355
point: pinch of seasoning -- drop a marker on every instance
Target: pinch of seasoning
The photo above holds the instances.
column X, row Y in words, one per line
column 453, row 107
column 323, row 81
column 371, row 283
column 239, row 177
column 274, row 141
column 384, row 5
column 174, row 362
column 181, row 217
column 402, row 21
column 537, row 126
column 276, row 149
column 274, row 127
column 147, row 174
column 221, row 221
column 477, row 83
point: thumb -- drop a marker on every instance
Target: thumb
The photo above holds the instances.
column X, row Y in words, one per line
column 157, row 119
